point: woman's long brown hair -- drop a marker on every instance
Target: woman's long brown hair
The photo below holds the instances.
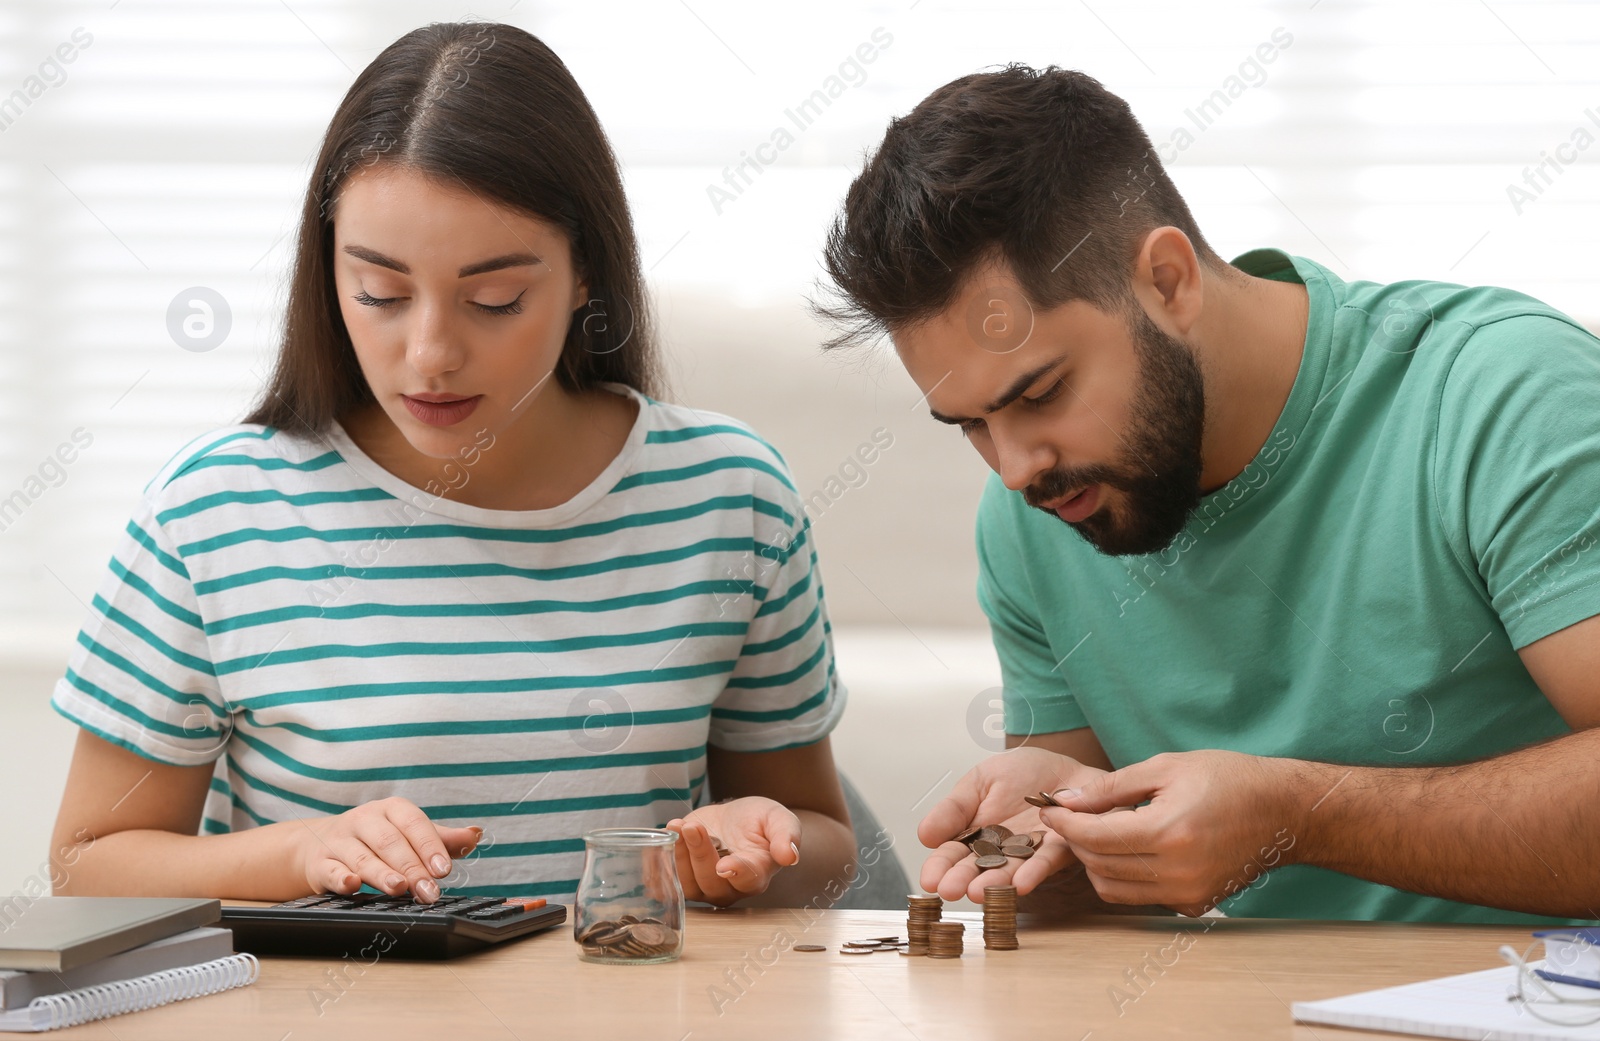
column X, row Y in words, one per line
column 490, row 108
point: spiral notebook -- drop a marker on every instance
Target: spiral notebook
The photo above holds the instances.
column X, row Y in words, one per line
column 1472, row 1006
column 54, row 1011
column 191, row 948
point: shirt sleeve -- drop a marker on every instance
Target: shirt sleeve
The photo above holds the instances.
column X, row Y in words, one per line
column 139, row 674
column 785, row 690
column 1035, row 698
column 1518, row 471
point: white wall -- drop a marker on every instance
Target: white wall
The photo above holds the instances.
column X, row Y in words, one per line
column 1385, row 140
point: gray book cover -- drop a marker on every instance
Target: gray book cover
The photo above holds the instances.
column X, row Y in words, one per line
column 58, row 933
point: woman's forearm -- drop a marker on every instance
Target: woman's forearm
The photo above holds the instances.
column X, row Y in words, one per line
column 265, row 863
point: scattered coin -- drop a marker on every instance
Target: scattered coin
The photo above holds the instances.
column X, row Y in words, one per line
column 809, row 947
column 873, row 945
column 992, row 844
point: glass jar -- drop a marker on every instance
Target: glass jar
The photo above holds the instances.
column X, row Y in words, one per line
column 629, row 909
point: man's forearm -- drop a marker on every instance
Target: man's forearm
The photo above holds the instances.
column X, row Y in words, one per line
column 1516, row 831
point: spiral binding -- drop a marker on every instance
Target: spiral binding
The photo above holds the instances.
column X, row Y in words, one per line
column 142, row 992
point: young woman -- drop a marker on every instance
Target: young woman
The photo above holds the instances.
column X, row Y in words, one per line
column 458, row 587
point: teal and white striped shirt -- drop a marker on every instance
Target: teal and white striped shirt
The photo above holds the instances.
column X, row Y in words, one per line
column 328, row 635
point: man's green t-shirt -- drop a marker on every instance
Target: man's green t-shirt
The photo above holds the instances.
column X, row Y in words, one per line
column 1427, row 504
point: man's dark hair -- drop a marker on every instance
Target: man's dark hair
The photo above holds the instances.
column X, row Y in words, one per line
column 1042, row 169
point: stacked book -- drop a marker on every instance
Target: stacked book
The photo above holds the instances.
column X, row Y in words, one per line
column 66, row 960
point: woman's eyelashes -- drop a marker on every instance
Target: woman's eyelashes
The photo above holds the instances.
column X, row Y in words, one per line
column 366, row 299
column 513, row 306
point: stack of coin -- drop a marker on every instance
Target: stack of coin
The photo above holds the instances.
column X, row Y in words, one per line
column 945, row 939
column 629, row 938
column 992, row 844
column 1000, row 918
column 921, row 912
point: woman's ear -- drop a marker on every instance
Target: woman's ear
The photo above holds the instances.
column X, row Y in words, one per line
column 580, row 294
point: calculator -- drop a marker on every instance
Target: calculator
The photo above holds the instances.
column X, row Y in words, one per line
column 368, row 926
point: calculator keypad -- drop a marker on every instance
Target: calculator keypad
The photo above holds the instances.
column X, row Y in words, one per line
column 475, row 908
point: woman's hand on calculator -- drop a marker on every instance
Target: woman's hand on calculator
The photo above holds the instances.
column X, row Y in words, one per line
column 388, row 844
column 758, row 837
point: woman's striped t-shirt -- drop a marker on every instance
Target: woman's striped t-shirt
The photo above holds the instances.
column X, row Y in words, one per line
column 328, row 635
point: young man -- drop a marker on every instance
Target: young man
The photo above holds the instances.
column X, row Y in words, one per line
column 1302, row 571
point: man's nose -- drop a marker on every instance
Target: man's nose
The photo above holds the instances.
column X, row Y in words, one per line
column 1018, row 461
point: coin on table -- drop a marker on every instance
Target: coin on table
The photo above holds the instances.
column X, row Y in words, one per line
column 857, row 950
column 809, row 947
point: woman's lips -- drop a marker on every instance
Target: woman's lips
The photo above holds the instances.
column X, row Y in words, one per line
column 441, row 410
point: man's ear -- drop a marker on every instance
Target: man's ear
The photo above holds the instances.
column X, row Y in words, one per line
column 1167, row 280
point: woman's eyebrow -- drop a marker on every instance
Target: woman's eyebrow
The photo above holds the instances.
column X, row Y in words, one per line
column 372, row 256
column 496, row 263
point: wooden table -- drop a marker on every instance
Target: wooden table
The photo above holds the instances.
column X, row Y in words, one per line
column 1210, row 978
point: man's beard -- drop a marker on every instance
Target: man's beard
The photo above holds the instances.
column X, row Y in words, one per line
column 1159, row 472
